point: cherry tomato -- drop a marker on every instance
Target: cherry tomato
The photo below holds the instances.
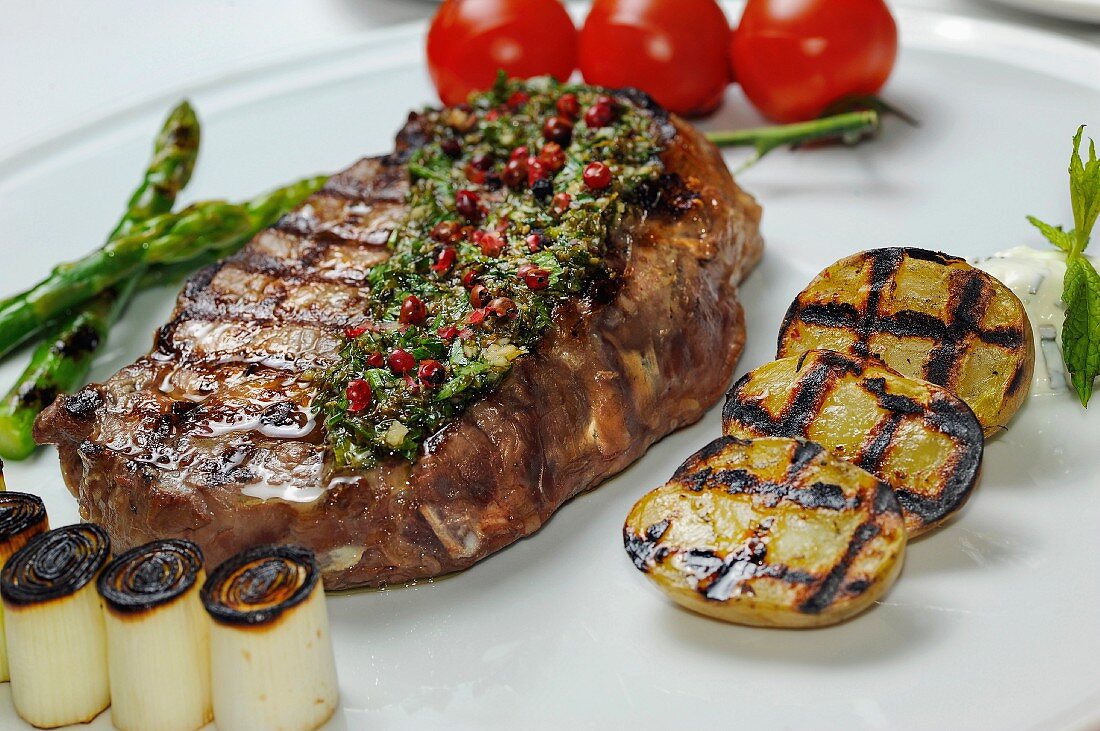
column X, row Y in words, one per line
column 470, row 40
column 677, row 51
column 793, row 58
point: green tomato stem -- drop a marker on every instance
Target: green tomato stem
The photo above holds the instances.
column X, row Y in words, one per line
column 848, row 127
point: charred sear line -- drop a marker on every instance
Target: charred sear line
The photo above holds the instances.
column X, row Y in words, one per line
column 804, row 454
column 734, row 481
column 644, row 549
column 884, row 266
column 730, row 574
column 290, row 274
column 928, row 508
column 742, row 482
column 900, row 405
column 956, row 421
column 756, row 417
column 838, row 362
column 943, row 361
column 752, row 414
column 857, row 587
column 253, row 316
column 810, row 391
column 911, row 324
column 881, row 437
column 936, row 257
column 297, row 223
column 829, row 588
column 959, row 472
column 1019, row 380
column 830, row 314
column 200, row 281
column 823, row 495
column 720, row 579
column 956, row 474
column 696, row 481
column 884, row 501
column 389, row 186
column 1008, row 338
column 949, row 418
column 347, row 233
column 716, row 447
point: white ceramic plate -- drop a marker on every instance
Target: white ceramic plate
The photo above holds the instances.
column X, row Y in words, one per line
column 1086, row 10
column 993, row 623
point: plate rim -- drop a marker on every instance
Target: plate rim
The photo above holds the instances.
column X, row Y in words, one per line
column 924, row 30
column 1087, row 11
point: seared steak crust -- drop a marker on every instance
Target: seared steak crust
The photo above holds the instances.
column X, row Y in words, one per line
column 209, row 436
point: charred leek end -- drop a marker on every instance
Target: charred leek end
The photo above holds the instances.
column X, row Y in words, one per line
column 270, row 651
column 22, row 517
column 57, row 645
column 158, row 638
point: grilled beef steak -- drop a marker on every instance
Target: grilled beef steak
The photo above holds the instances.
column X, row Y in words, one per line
column 211, row 436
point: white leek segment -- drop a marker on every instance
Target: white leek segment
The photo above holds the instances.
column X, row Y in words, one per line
column 57, row 643
column 22, row 517
column 271, row 656
column 158, row 638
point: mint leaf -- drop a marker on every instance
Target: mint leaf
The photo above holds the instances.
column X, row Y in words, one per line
column 1081, row 286
column 1081, row 332
column 1084, row 190
column 1054, row 234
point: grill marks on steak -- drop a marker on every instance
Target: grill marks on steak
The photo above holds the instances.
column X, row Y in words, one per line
column 198, row 438
column 243, row 334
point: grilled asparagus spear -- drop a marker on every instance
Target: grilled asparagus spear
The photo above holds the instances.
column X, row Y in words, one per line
column 59, row 364
column 174, row 154
column 65, row 356
column 169, row 170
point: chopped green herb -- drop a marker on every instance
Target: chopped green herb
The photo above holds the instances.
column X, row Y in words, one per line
column 495, row 240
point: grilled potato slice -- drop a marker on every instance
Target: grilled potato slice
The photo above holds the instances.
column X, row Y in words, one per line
column 770, row 532
column 927, row 315
column 918, row 437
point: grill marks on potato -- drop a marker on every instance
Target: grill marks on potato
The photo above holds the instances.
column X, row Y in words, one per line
column 773, row 532
column 928, row 316
column 916, row 436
